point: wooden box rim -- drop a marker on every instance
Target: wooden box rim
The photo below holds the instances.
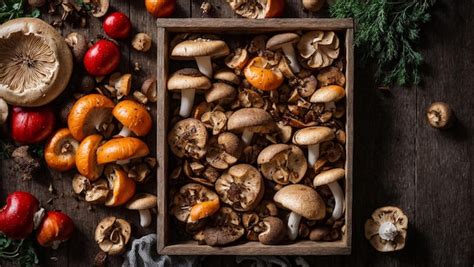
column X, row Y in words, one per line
column 242, row 25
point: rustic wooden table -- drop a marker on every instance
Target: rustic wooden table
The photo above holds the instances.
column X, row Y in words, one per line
column 398, row 159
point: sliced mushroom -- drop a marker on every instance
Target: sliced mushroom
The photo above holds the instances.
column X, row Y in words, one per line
column 187, row 197
column 224, row 150
column 80, row 184
column 112, row 235
column 215, row 120
column 188, row 138
column 241, row 187
column 282, row 163
column 225, row 228
column 387, row 229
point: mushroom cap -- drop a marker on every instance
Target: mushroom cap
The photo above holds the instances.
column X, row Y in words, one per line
column 115, row 243
column 220, row 91
column 187, row 197
column 275, row 231
column 259, row 76
column 88, row 113
column 282, row 163
column 123, row 148
column 96, row 192
column 329, row 176
column 3, row 111
column 134, row 116
column 330, row 93
column 188, row 78
column 200, row 47
column 224, row 150
column 60, row 151
column 227, row 75
column 255, row 120
column 123, row 187
column 188, row 138
column 49, row 62
column 142, row 201
column 225, row 227
column 383, row 215
column 313, row 135
column 302, row 200
column 277, row 41
column 86, row 157
column 318, row 49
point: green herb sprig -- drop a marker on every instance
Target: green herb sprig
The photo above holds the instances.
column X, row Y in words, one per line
column 19, row 251
column 387, row 33
column 11, row 9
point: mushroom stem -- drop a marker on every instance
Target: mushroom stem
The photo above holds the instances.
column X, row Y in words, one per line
column 205, row 65
column 293, row 225
column 290, row 54
column 125, row 131
column 338, row 198
column 388, row 231
column 145, row 217
column 313, row 154
column 247, row 136
column 328, row 106
column 187, row 101
column 123, row 162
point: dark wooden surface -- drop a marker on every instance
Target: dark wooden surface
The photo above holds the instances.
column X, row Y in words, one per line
column 398, row 159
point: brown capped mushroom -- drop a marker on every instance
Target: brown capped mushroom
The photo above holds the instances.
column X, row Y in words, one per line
column 312, row 137
column 319, row 233
column 149, row 89
column 188, row 138
column 303, row 201
column 228, row 76
column 143, row 203
column 112, row 235
column 141, row 42
column 282, row 163
column 215, row 120
column 221, row 93
column 237, row 59
column 331, row 76
column 225, row 228
column 313, row 5
column 285, row 42
column 250, row 121
column 319, row 48
column 78, row 44
column 188, row 81
column 187, row 197
column 330, row 178
column 440, row 115
column 387, row 229
column 94, row 192
column 274, row 233
column 328, row 95
column 224, row 150
column 241, row 187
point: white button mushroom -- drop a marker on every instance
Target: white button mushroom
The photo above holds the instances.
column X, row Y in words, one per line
column 330, row 178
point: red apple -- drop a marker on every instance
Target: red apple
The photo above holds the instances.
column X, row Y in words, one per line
column 56, row 227
column 16, row 217
column 117, row 25
column 102, row 58
column 32, row 125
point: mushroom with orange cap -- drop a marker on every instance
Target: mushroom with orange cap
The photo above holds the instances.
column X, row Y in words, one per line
column 330, row 178
column 303, row 201
column 261, row 77
column 328, row 95
column 250, row 121
column 143, row 202
column 312, row 137
column 122, row 187
column 387, row 229
column 121, row 150
column 89, row 115
column 192, row 195
column 134, row 117
column 60, row 151
column 285, row 42
column 188, row 81
column 86, row 157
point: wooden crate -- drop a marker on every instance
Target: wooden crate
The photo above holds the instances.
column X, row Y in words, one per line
column 246, row 26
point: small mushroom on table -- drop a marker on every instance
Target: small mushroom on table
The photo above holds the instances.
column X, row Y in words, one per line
column 143, row 202
column 134, row 117
column 328, row 95
column 285, row 42
column 282, row 163
column 387, row 229
column 303, row 201
column 188, row 138
column 440, row 115
column 188, row 81
column 121, row 150
column 312, row 137
column 330, row 178
column 250, row 121
column 112, row 234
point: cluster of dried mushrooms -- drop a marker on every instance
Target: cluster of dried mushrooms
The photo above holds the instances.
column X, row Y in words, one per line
column 258, row 138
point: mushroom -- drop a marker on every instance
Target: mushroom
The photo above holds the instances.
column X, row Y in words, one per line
column 228, row 76
column 274, row 233
column 221, row 93
column 330, row 178
column 331, row 75
column 86, row 157
column 250, row 121
column 95, row 192
column 112, row 235
column 122, row 187
column 312, row 137
column 121, row 150
column 143, row 203
column 134, row 117
column 260, row 75
column 241, row 187
column 35, row 62
column 188, row 138
column 313, row 5
column 318, row 48
column 78, row 44
column 60, row 151
column 202, row 50
column 440, row 115
column 141, row 42
column 282, row 163
column 188, row 81
column 237, row 59
column 225, row 228
column 149, row 89
column 224, row 150
column 328, row 95
column 99, row 7
column 319, row 233
column 386, row 230
column 303, row 201
column 3, row 111
column 215, row 120
column 123, row 85
column 189, row 196
column 285, row 42
column 89, row 115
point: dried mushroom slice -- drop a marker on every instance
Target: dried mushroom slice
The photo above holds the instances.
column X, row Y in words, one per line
column 35, row 62
column 224, row 150
column 387, row 229
column 241, row 187
column 282, row 163
column 215, row 120
column 188, row 138
column 319, row 48
column 225, row 228
column 187, row 197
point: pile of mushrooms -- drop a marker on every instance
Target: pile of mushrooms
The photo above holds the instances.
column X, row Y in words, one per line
column 258, row 138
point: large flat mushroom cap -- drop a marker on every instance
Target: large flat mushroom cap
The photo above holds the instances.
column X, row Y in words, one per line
column 35, row 62
column 328, row 94
column 142, row 201
column 329, row 176
column 199, row 47
column 280, row 39
column 302, row 200
column 313, row 135
column 188, row 78
column 253, row 119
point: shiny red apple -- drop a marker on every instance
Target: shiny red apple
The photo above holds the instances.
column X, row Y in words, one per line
column 55, row 228
column 16, row 217
column 102, row 58
column 117, row 25
column 31, row 125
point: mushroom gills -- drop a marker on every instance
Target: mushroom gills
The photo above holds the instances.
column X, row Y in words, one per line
column 187, row 101
column 293, row 225
column 338, row 198
column 313, row 154
column 205, row 65
column 290, row 54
